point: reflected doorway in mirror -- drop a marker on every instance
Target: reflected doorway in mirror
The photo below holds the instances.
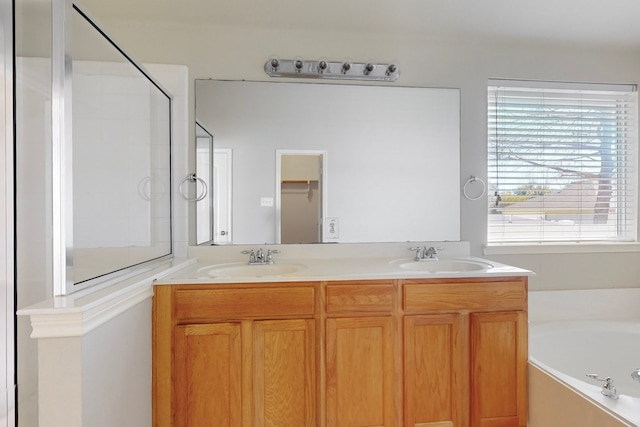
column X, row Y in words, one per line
column 204, row 170
column 300, row 195
column 222, row 189
column 213, row 212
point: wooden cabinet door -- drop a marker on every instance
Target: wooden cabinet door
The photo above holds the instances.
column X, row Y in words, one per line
column 498, row 375
column 359, row 372
column 284, row 369
column 207, row 381
column 434, row 371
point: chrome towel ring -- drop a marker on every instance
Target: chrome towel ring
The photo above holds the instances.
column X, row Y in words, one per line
column 472, row 180
column 193, row 178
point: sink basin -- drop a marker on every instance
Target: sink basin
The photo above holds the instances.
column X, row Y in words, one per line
column 246, row 270
column 444, row 266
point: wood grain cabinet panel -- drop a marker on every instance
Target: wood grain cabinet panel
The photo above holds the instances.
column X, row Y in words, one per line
column 284, row 373
column 359, row 372
column 352, row 298
column 498, row 360
column 434, row 366
column 207, row 383
column 203, row 305
column 465, row 295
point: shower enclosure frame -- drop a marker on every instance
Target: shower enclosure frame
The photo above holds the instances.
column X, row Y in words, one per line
column 62, row 148
column 7, row 215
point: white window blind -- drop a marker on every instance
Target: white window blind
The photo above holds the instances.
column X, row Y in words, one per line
column 562, row 162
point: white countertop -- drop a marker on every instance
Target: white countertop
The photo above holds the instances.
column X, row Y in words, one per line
column 291, row 269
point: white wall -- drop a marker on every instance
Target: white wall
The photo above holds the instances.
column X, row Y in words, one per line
column 240, row 53
column 116, row 371
column 101, row 379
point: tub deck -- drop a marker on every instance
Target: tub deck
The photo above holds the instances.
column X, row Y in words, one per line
column 559, row 393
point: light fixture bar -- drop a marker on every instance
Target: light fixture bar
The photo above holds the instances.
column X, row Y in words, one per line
column 322, row 69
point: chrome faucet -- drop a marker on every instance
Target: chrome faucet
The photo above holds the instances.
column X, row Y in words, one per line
column 252, row 256
column 608, row 389
column 270, row 252
column 635, row 375
column 259, row 257
column 424, row 253
column 430, row 253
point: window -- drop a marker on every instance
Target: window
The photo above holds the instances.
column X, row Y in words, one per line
column 562, row 162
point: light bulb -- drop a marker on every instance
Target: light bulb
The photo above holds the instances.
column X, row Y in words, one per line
column 368, row 68
column 323, row 65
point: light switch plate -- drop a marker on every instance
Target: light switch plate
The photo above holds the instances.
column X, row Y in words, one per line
column 332, row 227
column 266, row 202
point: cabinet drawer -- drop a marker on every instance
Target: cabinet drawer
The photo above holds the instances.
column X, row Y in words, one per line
column 353, row 298
column 201, row 305
column 472, row 295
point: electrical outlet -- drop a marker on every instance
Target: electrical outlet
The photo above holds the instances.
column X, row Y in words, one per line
column 332, row 228
column 266, row 202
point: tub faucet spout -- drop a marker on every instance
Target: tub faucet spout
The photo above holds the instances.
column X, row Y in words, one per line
column 608, row 389
column 635, row 375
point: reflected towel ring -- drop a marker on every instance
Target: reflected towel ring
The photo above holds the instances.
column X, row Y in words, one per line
column 142, row 188
column 193, row 178
column 145, row 187
column 470, row 181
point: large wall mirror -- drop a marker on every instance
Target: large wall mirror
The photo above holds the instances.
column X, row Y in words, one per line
column 325, row 163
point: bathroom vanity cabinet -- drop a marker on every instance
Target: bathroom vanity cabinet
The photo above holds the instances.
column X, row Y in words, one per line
column 423, row 352
column 359, row 358
column 235, row 355
column 465, row 352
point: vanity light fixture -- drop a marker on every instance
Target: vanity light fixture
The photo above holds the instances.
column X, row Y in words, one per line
column 325, row 69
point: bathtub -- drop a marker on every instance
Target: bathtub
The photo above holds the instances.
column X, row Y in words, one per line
column 570, row 349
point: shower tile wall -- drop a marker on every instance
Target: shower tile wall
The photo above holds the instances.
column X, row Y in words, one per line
column 112, row 149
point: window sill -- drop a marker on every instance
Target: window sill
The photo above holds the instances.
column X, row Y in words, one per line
column 558, row 248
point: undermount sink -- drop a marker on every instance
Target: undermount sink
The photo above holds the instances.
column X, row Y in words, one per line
column 444, row 266
column 246, row 270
